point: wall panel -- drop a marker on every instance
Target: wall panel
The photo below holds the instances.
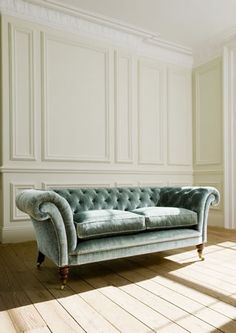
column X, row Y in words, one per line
column 86, row 113
column 22, row 108
column 179, row 113
column 208, row 132
column 151, row 97
column 76, row 100
column 208, row 114
column 123, row 108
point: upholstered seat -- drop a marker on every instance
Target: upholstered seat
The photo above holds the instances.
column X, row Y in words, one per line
column 167, row 217
column 105, row 222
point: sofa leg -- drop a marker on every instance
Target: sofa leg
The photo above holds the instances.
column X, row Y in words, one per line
column 64, row 272
column 40, row 259
column 200, row 248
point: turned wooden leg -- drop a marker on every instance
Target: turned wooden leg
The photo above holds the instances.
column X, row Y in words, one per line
column 40, row 259
column 64, row 272
column 200, row 248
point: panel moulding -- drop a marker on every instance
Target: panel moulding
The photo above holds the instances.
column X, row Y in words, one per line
column 152, row 184
column 48, row 186
column 16, row 214
column 46, row 154
column 124, row 184
column 118, row 84
column 179, row 184
column 199, row 161
column 208, row 172
column 229, row 135
column 14, row 154
column 159, row 143
column 55, row 170
column 186, row 144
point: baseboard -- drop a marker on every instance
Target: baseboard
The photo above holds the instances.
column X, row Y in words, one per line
column 17, row 234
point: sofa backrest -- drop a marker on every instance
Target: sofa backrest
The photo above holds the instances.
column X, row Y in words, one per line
column 82, row 199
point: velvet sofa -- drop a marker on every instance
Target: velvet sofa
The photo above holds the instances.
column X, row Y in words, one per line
column 85, row 225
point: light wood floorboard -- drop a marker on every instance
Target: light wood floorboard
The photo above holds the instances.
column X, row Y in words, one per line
column 167, row 292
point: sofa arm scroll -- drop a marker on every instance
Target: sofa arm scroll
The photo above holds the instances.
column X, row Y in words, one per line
column 44, row 205
column 197, row 199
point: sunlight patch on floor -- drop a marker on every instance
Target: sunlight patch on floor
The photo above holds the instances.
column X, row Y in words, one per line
column 227, row 244
column 6, row 322
column 221, row 250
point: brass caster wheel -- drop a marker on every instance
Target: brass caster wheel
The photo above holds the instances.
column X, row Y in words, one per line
column 64, row 271
column 40, row 260
column 63, row 285
column 200, row 248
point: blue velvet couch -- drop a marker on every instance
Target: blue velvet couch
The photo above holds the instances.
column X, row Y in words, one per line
column 85, row 225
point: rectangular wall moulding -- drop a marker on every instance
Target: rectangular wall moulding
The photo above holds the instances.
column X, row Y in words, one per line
column 179, row 113
column 48, row 186
column 123, row 184
column 75, row 100
column 123, row 108
column 208, row 114
column 152, row 184
column 151, row 92
column 179, row 184
column 22, row 106
column 16, row 214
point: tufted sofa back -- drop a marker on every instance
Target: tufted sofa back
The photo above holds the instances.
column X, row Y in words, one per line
column 82, row 199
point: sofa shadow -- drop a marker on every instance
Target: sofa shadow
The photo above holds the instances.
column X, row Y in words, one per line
column 23, row 284
column 121, row 272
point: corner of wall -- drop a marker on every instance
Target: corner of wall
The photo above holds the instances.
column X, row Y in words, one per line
column 1, row 97
column 1, row 134
column 208, row 141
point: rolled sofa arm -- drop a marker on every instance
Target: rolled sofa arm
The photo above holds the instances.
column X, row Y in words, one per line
column 197, row 199
column 53, row 222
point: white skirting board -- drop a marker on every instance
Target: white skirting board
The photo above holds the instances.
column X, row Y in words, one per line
column 17, row 234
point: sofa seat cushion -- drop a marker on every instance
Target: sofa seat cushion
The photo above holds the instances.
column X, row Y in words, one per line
column 106, row 222
column 167, row 217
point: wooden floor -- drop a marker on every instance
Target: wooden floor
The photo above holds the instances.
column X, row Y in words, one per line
column 170, row 292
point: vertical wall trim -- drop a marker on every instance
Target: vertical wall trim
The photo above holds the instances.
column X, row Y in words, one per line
column 14, row 155
column 229, row 124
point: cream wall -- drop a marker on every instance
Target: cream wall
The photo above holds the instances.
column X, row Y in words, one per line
column 78, row 111
column 208, row 131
